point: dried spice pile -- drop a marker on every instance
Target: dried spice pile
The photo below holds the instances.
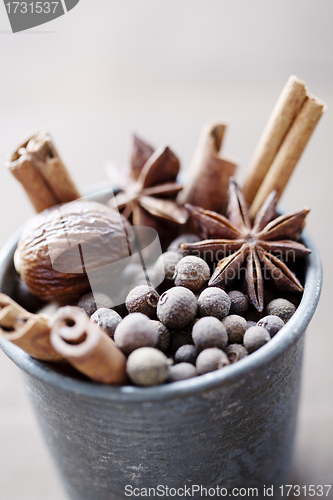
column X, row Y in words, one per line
column 224, row 286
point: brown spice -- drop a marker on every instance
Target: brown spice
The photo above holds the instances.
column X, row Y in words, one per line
column 279, row 123
column 261, row 244
column 58, row 247
column 290, row 152
column 209, row 172
column 37, row 165
column 30, row 332
column 149, row 198
column 87, row 347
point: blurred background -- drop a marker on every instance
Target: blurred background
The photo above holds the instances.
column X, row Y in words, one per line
column 162, row 69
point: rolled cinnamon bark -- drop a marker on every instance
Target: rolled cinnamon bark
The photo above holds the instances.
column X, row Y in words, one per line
column 279, row 123
column 289, row 152
column 209, row 172
column 30, row 332
column 23, row 167
column 87, row 347
column 38, row 167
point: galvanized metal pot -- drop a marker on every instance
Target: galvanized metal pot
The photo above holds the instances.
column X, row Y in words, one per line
column 233, row 428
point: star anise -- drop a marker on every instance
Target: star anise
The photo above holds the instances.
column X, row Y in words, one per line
column 261, row 249
column 150, row 195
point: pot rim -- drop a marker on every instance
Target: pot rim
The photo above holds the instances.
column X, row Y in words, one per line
column 228, row 375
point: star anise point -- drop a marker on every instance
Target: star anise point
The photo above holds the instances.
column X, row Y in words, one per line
column 260, row 249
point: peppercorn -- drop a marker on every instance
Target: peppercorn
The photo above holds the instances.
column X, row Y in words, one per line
column 182, row 371
column 235, row 352
column 147, row 366
column 186, row 354
column 180, row 338
column 209, row 332
column 163, row 341
column 236, row 326
column 134, row 331
column 143, row 299
column 177, row 307
column 107, row 319
column 90, row 302
column 282, row 308
column 192, row 273
column 126, row 290
column 210, row 360
column 214, row 302
column 272, row 324
column 255, row 337
column 165, row 266
column 239, row 303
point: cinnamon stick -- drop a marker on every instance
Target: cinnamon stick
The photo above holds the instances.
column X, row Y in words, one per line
column 286, row 109
column 30, row 332
column 87, row 347
column 37, row 166
column 209, row 172
column 290, row 151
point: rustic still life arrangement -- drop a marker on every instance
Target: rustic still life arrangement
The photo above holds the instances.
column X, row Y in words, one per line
column 231, row 273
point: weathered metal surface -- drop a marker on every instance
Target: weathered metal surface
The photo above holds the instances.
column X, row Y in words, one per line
column 232, row 428
column 235, row 435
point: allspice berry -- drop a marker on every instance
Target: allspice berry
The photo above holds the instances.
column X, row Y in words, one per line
column 272, row 324
column 210, row 360
column 177, row 307
column 163, row 341
column 165, row 266
column 90, row 302
column 182, row 371
column 147, row 366
column 255, row 337
column 180, row 338
column 239, row 302
column 107, row 319
column 236, row 326
column 143, row 299
column 235, row 352
column 186, row 354
column 134, row 331
column 192, row 273
column 209, row 332
column 282, row 308
column 214, row 301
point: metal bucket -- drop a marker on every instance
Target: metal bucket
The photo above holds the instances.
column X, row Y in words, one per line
column 200, row 438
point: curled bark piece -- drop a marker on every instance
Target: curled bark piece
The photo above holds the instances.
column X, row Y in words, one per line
column 87, row 347
column 30, row 332
column 22, row 166
column 209, row 172
column 290, row 152
column 37, row 166
column 278, row 125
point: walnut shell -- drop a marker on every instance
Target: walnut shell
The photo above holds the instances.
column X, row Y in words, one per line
column 64, row 245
